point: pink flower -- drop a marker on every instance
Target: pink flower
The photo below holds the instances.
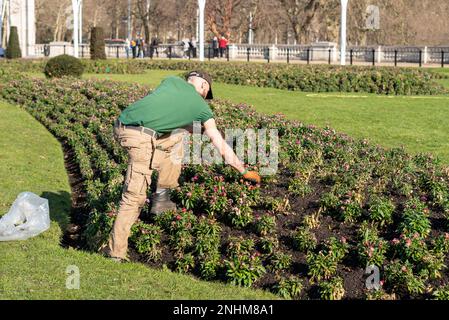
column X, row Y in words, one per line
column 178, row 217
column 184, row 210
column 404, row 268
column 195, row 178
column 189, row 194
column 343, row 240
column 408, row 243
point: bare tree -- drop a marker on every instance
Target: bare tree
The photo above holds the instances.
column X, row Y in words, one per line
column 219, row 16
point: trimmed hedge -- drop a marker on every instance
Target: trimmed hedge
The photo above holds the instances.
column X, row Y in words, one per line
column 64, row 65
column 307, row 78
column 13, row 49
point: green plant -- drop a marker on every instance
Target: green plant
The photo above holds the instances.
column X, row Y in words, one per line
column 332, row 289
column 146, row 239
column 336, row 248
column 185, row 263
column 400, row 277
column 381, row 210
column 279, row 262
column 288, row 288
column 97, row 45
column 415, row 219
column 13, row 48
column 441, row 244
column 265, row 224
column 299, row 187
column 181, row 229
column 276, row 205
column 371, row 248
column 304, row 240
column 441, row 293
column 321, row 266
column 379, row 295
column 240, row 217
column 244, row 266
column 268, row 244
column 63, row 65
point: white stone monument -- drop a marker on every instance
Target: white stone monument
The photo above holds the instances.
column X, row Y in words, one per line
column 21, row 14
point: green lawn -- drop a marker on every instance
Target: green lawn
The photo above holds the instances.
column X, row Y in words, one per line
column 415, row 122
column 32, row 160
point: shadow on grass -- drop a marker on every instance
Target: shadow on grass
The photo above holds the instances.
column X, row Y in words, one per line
column 60, row 206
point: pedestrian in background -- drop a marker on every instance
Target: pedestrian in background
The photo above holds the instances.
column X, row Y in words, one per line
column 127, row 47
column 215, row 46
column 193, row 47
column 139, row 44
column 134, row 48
column 223, row 44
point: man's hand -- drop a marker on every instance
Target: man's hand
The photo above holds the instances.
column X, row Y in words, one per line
column 252, row 176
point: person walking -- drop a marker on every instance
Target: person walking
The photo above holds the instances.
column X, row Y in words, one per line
column 147, row 129
column 127, row 47
column 215, row 46
column 223, row 44
column 134, row 48
column 139, row 44
column 193, row 46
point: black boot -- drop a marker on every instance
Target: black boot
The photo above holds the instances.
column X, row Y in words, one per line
column 160, row 202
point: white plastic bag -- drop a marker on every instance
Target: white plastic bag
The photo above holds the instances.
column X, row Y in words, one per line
column 29, row 216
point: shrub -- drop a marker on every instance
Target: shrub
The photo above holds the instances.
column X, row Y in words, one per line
column 304, row 240
column 97, row 45
column 268, row 244
column 371, row 248
column 265, row 224
column 381, row 210
column 13, row 49
column 147, row 239
column 243, row 266
column 279, row 262
column 332, row 290
column 64, row 65
column 441, row 293
column 288, row 288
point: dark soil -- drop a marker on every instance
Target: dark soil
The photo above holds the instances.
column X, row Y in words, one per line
column 78, row 212
column 353, row 275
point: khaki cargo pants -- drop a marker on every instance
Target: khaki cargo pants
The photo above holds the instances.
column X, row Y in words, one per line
column 145, row 155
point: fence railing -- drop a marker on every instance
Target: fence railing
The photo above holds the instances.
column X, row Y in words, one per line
column 314, row 53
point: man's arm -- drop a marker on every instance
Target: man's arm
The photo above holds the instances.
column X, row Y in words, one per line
column 226, row 151
column 210, row 129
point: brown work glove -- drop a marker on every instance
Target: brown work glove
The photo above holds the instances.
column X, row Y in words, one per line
column 252, row 176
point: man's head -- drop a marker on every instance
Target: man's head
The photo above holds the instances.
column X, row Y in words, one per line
column 202, row 82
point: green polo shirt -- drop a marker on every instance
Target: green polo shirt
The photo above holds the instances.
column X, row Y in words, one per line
column 174, row 104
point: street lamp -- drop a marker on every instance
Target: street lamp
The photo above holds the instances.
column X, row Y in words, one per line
column 201, row 7
column 2, row 5
column 344, row 9
column 77, row 7
column 250, row 31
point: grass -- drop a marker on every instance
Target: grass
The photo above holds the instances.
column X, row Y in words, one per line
column 416, row 122
column 32, row 160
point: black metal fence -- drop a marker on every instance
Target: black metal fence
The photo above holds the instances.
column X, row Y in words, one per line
column 283, row 53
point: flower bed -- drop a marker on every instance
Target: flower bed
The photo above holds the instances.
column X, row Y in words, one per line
column 335, row 205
